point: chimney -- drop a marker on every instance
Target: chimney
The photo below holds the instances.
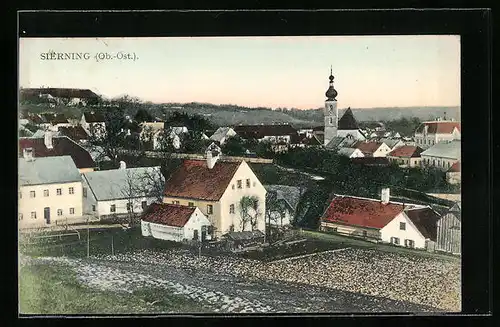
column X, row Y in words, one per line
column 385, row 195
column 28, row 154
column 211, row 158
column 444, row 117
column 123, row 165
column 48, row 139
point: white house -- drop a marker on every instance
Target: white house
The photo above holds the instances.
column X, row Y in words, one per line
column 392, row 143
column 93, row 122
column 454, row 174
column 176, row 223
column 430, row 133
column 372, row 148
column 120, row 192
column 219, row 189
column 50, row 191
column 381, row 220
column 222, row 134
column 442, row 155
column 351, row 152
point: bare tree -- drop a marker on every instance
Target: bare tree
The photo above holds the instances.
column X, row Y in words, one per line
column 249, row 212
column 131, row 192
column 154, row 184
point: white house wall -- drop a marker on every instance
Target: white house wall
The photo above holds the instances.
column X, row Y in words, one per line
column 162, row 232
column 65, row 201
column 411, row 232
column 233, row 196
column 196, row 221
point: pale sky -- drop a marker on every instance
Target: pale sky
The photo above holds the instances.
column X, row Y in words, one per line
column 370, row 71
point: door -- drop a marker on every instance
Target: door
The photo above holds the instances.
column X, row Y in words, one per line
column 195, row 235
column 46, row 214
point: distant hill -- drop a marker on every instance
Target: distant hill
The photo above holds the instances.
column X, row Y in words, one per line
column 224, row 115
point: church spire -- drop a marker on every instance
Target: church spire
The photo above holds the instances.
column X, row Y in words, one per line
column 331, row 93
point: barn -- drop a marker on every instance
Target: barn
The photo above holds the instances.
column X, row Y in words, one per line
column 174, row 222
column 449, row 231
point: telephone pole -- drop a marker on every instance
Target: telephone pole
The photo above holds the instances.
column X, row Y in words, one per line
column 88, row 238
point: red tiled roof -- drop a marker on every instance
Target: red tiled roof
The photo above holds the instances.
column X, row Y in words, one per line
column 406, row 151
column 425, row 220
column 76, row 133
column 439, row 127
column 193, row 179
column 367, row 147
column 456, row 167
column 62, row 146
column 361, row 212
column 168, row 214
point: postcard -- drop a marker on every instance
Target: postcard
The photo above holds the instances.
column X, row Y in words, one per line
column 232, row 175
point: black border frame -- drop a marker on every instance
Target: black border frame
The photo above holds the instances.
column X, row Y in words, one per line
column 473, row 25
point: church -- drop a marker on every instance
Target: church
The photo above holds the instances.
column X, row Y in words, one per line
column 335, row 128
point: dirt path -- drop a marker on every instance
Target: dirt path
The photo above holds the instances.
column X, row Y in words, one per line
column 224, row 293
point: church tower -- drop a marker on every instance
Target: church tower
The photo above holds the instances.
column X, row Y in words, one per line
column 331, row 112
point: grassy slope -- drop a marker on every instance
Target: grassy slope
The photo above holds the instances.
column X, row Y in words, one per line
column 55, row 290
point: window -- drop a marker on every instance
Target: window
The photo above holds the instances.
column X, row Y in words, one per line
column 71, row 190
column 71, row 211
column 331, row 120
column 45, row 192
column 20, row 195
column 433, row 162
column 248, row 182
column 93, row 207
column 20, row 216
column 144, row 204
column 129, row 207
column 210, row 209
column 231, row 208
column 410, row 243
column 112, row 208
column 59, row 191
column 238, row 182
column 402, row 226
column 176, row 202
column 449, row 164
column 232, row 186
column 33, row 215
column 395, row 240
column 59, row 212
column 365, row 233
column 84, row 192
column 190, row 204
column 32, row 194
column 231, row 228
column 254, row 184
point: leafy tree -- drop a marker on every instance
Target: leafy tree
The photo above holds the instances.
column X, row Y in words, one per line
column 192, row 142
column 234, row 146
column 142, row 115
column 109, row 138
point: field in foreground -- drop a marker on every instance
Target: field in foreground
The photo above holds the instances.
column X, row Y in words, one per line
column 54, row 289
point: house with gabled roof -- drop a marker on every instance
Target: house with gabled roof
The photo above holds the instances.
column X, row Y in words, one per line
column 351, row 152
column 382, row 220
column 93, row 122
column 222, row 134
column 175, row 223
column 442, row 155
column 430, row 133
column 372, row 148
column 50, row 191
column 406, row 156
column 347, row 125
column 75, row 133
column 217, row 188
column 392, row 143
column 118, row 193
column 54, row 146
